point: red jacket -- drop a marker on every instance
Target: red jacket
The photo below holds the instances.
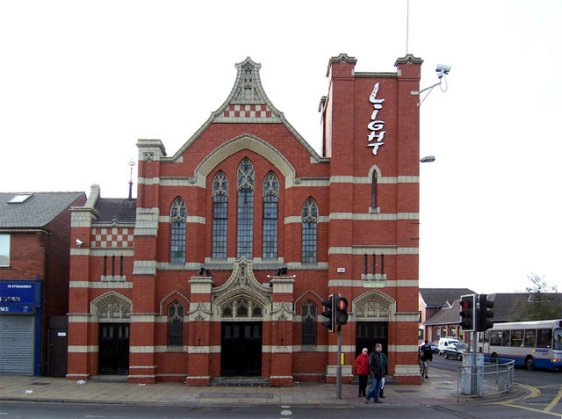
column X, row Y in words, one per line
column 362, row 364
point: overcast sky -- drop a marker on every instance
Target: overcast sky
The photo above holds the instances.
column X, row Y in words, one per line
column 80, row 82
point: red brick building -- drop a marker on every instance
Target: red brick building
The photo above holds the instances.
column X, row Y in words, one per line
column 187, row 282
column 34, row 265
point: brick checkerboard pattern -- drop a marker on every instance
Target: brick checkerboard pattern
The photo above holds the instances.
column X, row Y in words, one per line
column 112, row 238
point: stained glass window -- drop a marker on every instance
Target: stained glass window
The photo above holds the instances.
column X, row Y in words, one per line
column 178, row 217
column 175, row 324
column 309, row 231
column 245, row 187
column 220, row 215
column 270, row 211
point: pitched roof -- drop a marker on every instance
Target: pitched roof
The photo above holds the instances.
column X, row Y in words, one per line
column 247, row 103
column 503, row 303
column 120, row 210
column 437, row 297
column 447, row 315
column 35, row 211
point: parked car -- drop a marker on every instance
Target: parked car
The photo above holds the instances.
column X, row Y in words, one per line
column 444, row 344
column 455, row 351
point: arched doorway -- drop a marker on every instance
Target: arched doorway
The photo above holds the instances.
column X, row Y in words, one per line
column 113, row 313
column 372, row 312
column 241, row 305
column 241, row 337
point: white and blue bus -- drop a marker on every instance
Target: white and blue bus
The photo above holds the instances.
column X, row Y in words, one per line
column 529, row 344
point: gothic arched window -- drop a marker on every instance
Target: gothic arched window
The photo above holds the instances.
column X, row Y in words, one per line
column 270, row 210
column 245, row 187
column 220, row 215
column 374, row 182
column 309, row 232
column 178, row 218
column 175, row 324
column 308, row 323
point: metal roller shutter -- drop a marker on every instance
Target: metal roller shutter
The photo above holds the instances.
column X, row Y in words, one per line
column 17, row 337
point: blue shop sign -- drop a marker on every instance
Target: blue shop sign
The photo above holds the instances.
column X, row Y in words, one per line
column 19, row 296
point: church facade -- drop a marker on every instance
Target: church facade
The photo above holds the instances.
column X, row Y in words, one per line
column 220, row 266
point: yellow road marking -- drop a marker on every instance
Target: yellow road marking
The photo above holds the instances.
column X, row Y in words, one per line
column 554, row 401
column 530, row 409
column 535, row 392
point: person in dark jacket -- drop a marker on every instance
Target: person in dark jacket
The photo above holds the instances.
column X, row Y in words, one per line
column 362, row 370
column 426, row 355
column 378, row 372
column 385, row 365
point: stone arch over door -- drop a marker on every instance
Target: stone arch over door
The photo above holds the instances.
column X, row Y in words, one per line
column 240, row 307
column 241, row 291
column 373, row 306
column 112, row 312
column 112, row 307
column 373, row 313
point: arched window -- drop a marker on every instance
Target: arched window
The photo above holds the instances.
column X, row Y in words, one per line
column 308, row 322
column 178, row 217
column 309, row 232
column 220, row 215
column 374, row 182
column 245, row 187
column 175, row 324
column 270, row 206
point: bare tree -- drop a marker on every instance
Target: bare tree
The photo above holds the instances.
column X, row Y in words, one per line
column 538, row 303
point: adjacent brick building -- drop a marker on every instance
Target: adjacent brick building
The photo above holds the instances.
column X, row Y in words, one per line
column 34, row 266
column 220, row 266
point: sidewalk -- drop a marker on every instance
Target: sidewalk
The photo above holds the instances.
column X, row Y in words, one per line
column 440, row 389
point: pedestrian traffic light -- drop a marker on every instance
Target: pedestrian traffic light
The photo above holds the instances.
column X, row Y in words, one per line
column 468, row 312
column 485, row 313
column 329, row 313
column 341, row 310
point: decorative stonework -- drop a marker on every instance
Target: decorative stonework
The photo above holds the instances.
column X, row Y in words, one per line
column 248, row 102
column 242, row 308
column 111, row 238
column 374, row 306
column 112, row 307
column 372, row 309
column 282, row 311
column 200, row 312
column 241, row 296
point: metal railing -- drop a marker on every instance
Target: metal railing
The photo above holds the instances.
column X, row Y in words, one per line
column 489, row 379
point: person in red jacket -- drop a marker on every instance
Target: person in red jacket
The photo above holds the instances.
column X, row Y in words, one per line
column 362, row 371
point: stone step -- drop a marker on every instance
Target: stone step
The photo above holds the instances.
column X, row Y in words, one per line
column 240, row 381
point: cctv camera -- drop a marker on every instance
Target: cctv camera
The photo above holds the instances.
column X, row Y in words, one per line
column 442, row 70
column 79, row 243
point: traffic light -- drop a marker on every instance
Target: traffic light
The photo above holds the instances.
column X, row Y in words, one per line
column 341, row 310
column 485, row 313
column 468, row 312
column 329, row 312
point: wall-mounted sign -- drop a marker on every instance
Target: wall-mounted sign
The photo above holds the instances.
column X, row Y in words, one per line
column 19, row 296
column 376, row 126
